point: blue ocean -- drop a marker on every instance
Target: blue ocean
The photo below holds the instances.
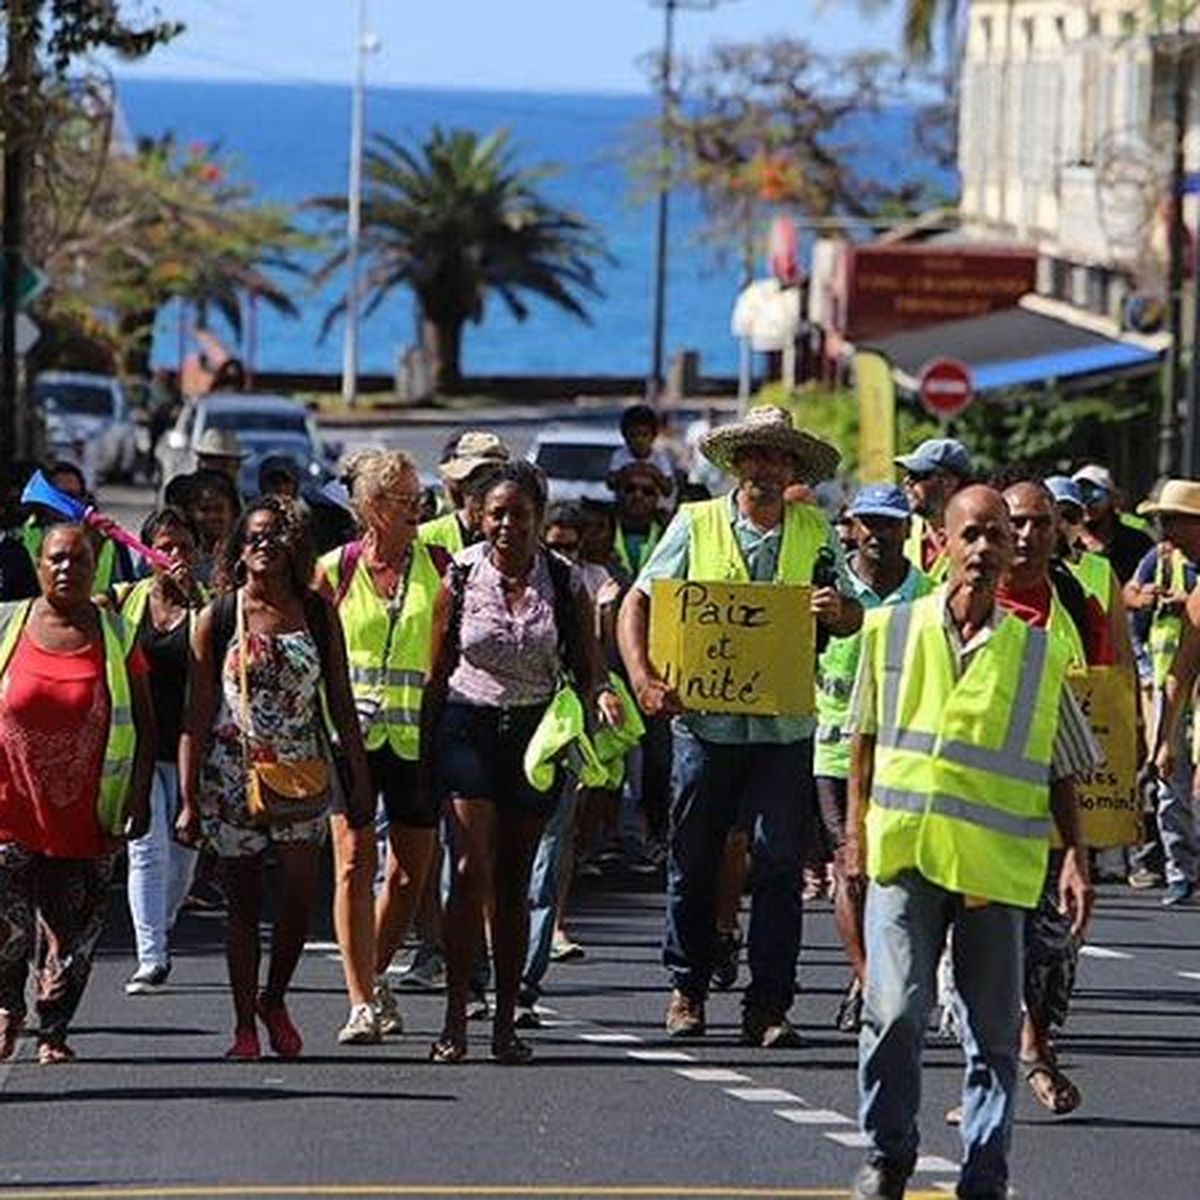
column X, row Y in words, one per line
column 290, row 142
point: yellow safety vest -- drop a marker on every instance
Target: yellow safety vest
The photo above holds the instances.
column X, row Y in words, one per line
column 621, row 548
column 961, row 787
column 713, row 552
column 914, row 550
column 445, row 531
column 116, row 773
column 1166, row 629
column 389, row 653
column 1096, row 576
column 1062, row 625
column 561, row 739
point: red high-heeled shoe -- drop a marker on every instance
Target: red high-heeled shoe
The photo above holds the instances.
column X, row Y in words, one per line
column 245, row 1046
column 284, row 1037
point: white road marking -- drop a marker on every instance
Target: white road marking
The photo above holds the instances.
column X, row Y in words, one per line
column 1189, row 974
column 712, row 1075
column 852, row 1141
column 1102, row 952
column 605, row 1038
column 763, row 1095
column 931, row 1162
column 321, row 947
column 812, row 1116
column 667, row 1056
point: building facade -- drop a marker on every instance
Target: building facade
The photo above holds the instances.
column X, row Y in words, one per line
column 1067, row 125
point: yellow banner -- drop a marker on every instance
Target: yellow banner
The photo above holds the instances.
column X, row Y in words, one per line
column 1109, row 806
column 734, row 647
column 876, row 417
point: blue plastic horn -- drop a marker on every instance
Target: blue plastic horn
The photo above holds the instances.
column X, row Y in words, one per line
column 39, row 490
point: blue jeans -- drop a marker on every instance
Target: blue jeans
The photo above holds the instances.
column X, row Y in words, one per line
column 714, row 787
column 906, row 926
column 544, row 884
column 160, row 871
column 1174, row 820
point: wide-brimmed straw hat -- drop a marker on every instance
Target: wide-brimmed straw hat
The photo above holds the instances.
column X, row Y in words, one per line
column 1178, row 497
column 771, row 428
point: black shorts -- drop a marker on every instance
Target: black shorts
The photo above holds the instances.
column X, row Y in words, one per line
column 479, row 754
column 395, row 779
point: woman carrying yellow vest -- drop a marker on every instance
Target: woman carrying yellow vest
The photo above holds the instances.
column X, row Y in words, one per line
column 76, row 753
column 384, row 586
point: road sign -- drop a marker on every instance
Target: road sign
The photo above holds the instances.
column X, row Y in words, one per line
column 27, row 333
column 945, row 388
column 31, row 284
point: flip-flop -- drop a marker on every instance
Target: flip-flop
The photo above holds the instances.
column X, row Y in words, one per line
column 1061, row 1097
column 52, row 1053
column 448, row 1050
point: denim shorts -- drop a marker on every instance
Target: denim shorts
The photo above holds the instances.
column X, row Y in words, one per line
column 479, row 754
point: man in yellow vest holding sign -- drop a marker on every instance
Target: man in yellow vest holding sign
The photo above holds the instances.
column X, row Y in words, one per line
column 734, row 763
column 966, row 740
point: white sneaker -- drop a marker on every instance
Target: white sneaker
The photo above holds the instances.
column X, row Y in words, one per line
column 387, row 1011
column 361, row 1027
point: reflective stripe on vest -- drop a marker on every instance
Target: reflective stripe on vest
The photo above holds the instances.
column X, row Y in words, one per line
column 116, row 770
column 836, row 669
column 1095, row 575
column 714, row 554
column 445, row 531
column 961, row 788
column 387, row 694
column 621, row 548
column 1166, row 629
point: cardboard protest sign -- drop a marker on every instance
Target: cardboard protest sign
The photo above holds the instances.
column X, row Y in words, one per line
column 734, row 647
column 1109, row 806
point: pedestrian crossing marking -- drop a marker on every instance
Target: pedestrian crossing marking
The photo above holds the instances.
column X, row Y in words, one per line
column 661, row 1055
column 853, row 1141
column 812, row 1116
column 712, row 1075
column 1189, row 974
column 931, row 1162
column 763, row 1095
column 603, row 1038
column 1102, row 952
column 498, row 1191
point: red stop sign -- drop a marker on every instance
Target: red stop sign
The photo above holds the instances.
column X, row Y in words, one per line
column 945, row 388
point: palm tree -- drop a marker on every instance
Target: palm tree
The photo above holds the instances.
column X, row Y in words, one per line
column 921, row 21
column 455, row 220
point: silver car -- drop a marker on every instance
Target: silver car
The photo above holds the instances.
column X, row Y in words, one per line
column 88, row 422
column 264, row 424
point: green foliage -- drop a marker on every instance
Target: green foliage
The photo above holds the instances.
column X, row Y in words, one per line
column 456, row 220
column 67, row 29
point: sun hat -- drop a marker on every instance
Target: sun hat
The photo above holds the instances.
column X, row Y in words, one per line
column 947, row 454
column 1064, row 489
column 1096, row 475
column 1178, row 497
column 220, row 443
column 770, row 428
column 475, row 448
column 880, row 500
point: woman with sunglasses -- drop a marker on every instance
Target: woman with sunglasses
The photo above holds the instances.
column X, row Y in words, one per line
column 260, row 657
column 385, row 586
column 509, row 622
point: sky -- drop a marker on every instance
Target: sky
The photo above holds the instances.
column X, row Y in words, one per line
column 542, row 45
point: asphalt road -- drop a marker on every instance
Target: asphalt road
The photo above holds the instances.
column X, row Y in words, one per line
column 609, row 1107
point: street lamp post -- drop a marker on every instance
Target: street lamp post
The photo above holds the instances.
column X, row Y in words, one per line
column 367, row 44
column 654, row 385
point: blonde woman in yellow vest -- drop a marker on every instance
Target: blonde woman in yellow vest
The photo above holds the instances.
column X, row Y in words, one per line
column 724, row 766
column 966, row 739
column 76, row 754
column 384, row 585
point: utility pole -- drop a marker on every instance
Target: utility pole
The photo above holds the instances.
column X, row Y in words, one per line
column 17, row 75
column 366, row 44
column 658, row 320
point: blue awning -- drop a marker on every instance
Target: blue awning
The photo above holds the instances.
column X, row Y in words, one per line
column 1016, row 348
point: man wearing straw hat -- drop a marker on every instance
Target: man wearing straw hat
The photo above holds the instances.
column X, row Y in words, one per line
column 1178, row 511
column 726, row 767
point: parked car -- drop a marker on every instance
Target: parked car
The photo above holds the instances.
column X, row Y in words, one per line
column 264, row 425
column 88, row 421
column 575, row 460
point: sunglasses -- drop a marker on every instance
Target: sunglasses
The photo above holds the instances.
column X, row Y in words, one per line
column 918, row 476
column 265, row 540
column 1092, row 492
column 639, row 489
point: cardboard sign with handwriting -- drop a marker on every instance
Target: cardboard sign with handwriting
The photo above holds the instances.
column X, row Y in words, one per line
column 1109, row 806
column 734, row 647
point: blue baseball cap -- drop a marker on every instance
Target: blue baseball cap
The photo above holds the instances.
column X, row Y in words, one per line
column 948, row 454
column 1065, row 490
column 880, row 500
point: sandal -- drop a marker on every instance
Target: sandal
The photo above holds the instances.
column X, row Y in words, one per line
column 448, row 1049
column 51, row 1053
column 511, row 1051
column 1050, row 1087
